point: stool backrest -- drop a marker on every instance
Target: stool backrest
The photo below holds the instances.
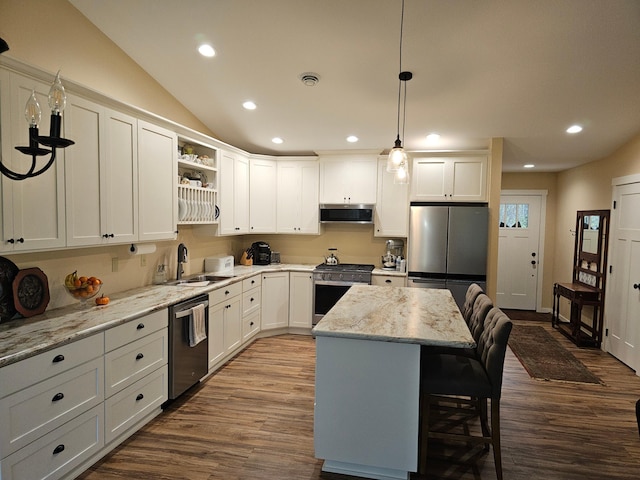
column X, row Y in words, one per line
column 492, row 347
column 481, row 308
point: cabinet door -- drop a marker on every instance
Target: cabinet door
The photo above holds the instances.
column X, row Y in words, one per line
column 262, row 195
column 348, row 179
column 157, row 182
column 234, row 194
column 392, row 208
column 232, row 324
column 469, row 179
column 288, row 198
column 216, row 334
column 120, row 175
column 429, row 179
column 33, row 214
column 300, row 299
column 450, row 179
column 309, row 188
column 275, row 300
column 241, row 194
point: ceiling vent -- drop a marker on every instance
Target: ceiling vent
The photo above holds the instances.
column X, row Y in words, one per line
column 310, row 79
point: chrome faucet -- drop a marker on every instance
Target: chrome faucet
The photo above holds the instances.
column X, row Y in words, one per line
column 182, row 258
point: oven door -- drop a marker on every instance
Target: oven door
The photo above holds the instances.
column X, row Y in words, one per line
column 325, row 296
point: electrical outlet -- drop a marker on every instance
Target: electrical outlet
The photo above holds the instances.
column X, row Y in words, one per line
column 114, row 264
column 143, row 260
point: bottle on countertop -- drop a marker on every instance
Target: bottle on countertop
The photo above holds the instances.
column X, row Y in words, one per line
column 398, row 263
column 403, row 265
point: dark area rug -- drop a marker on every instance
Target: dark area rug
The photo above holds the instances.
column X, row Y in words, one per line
column 545, row 358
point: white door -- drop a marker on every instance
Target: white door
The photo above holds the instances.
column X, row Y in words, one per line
column 623, row 293
column 518, row 251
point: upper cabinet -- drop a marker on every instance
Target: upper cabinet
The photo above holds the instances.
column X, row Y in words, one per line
column 297, row 197
column 197, row 182
column 101, row 171
column 392, row 209
column 234, row 193
column 449, row 179
column 262, row 195
column 157, row 182
column 348, row 178
column 33, row 214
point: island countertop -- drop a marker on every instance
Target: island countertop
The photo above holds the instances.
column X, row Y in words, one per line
column 397, row 314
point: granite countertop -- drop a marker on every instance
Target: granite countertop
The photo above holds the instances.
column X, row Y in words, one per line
column 26, row 337
column 397, row 314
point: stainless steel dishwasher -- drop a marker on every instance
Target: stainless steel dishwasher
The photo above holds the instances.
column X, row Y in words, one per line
column 187, row 365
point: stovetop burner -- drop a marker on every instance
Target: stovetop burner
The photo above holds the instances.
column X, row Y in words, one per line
column 345, row 267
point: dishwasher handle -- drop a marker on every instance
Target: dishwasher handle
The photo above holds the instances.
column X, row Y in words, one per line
column 189, row 311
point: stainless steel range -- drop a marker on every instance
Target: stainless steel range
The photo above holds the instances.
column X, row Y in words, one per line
column 331, row 282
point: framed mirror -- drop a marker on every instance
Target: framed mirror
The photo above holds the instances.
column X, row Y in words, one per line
column 590, row 255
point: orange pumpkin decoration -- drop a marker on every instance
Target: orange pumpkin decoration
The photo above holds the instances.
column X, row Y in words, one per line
column 102, row 300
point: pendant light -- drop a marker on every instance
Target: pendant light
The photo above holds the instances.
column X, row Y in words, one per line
column 398, row 161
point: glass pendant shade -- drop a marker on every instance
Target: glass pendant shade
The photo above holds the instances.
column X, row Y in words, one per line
column 397, row 156
column 57, row 96
column 401, row 176
column 32, row 111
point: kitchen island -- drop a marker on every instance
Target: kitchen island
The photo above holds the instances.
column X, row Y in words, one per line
column 368, row 376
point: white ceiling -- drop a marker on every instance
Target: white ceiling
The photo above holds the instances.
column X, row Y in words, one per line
column 524, row 70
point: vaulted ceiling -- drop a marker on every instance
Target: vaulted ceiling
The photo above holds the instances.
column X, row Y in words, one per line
column 519, row 69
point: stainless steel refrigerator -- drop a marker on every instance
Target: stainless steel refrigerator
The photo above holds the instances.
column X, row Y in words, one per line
column 448, row 247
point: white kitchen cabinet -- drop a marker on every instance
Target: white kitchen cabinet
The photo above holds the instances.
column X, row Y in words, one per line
column 33, row 213
column 251, row 306
column 392, row 208
column 388, row 280
column 101, row 176
column 234, row 194
column 348, row 179
column 157, row 185
column 262, row 195
column 449, row 179
column 297, row 197
column 275, row 300
column 225, row 322
column 300, row 299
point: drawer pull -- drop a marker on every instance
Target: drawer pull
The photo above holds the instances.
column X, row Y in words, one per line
column 252, row 282
column 139, row 356
column 140, row 326
column 58, row 396
column 226, row 292
column 252, row 299
column 58, row 449
column 387, row 281
column 58, row 358
column 139, row 397
column 251, row 324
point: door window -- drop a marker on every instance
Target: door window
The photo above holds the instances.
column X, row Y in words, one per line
column 514, row 215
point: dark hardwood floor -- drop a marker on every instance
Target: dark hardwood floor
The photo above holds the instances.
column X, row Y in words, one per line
column 254, row 420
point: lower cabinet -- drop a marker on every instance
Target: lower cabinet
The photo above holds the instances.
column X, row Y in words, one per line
column 300, row 299
column 388, row 280
column 251, row 306
column 275, row 300
column 225, row 322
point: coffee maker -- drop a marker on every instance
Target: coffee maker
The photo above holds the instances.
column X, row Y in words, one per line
column 394, row 252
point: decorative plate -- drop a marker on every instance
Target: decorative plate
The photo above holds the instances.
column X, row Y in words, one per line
column 217, row 212
column 8, row 271
column 30, row 292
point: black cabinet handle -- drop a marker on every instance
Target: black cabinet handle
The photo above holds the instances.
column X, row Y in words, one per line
column 11, row 241
column 58, row 449
column 21, row 240
column 252, row 299
column 105, row 235
column 58, row 358
column 636, row 286
column 252, row 282
column 140, row 326
column 57, row 397
column 139, row 397
column 226, row 292
column 139, row 356
column 387, row 281
column 251, row 324
column 533, row 262
column 111, row 235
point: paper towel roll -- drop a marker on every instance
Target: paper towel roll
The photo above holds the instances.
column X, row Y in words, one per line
column 142, row 249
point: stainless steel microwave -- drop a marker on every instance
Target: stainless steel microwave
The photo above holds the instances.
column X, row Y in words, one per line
column 346, row 213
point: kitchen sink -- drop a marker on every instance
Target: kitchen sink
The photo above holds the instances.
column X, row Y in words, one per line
column 200, row 278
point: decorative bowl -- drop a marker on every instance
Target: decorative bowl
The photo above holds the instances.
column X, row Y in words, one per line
column 85, row 291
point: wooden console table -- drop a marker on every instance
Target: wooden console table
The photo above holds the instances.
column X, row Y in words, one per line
column 581, row 333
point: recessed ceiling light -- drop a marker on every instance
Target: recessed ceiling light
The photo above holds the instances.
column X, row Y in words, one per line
column 277, row 140
column 352, row 139
column 433, row 137
column 249, row 105
column 529, row 165
column 206, row 50
column 574, row 129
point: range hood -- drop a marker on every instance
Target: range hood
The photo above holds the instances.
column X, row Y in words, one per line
column 346, row 213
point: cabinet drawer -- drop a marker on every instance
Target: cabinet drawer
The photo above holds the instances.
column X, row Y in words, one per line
column 58, row 452
column 32, row 370
column 251, row 282
column 225, row 293
column 250, row 326
column 251, row 301
column 35, row 411
column 133, row 403
column 387, row 280
column 129, row 363
column 135, row 329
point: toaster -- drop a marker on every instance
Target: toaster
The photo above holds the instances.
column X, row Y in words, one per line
column 218, row 263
